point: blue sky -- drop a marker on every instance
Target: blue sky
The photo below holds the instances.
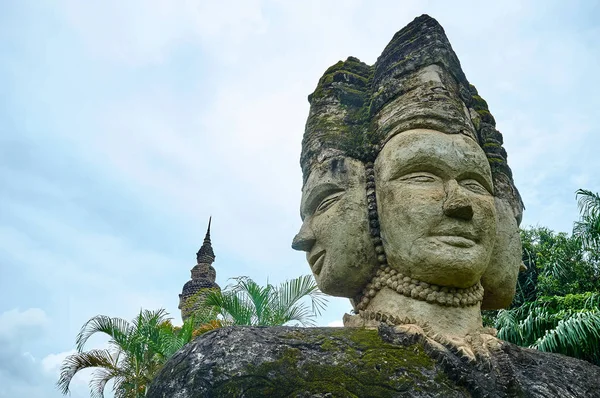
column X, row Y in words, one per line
column 125, row 125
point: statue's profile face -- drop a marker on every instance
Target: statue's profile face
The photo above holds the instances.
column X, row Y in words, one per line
column 436, row 207
column 335, row 230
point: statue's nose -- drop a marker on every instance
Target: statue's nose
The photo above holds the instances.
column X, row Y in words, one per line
column 304, row 239
column 457, row 204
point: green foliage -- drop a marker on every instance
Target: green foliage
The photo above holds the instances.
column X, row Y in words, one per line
column 136, row 352
column 247, row 303
column 556, row 264
column 568, row 325
column 557, row 305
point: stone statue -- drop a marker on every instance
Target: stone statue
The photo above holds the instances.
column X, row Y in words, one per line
column 409, row 209
column 408, row 204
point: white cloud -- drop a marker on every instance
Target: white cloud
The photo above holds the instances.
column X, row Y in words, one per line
column 22, row 324
column 335, row 324
column 51, row 363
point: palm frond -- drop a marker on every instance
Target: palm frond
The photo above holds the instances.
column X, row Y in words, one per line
column 578, row 334
column 290, row 292
column 256, row 296
column 84, row 360
column 99, row 380
column 588, row 202
column 233, row 308
column 587, row 229
column 118, row 329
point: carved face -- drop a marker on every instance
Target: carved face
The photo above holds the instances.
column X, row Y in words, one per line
column 436, row 209
column 335, row 230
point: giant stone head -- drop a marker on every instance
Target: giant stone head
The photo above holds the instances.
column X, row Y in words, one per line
column 407, row 194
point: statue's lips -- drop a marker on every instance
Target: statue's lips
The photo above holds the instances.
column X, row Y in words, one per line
column 455, row 240
column 316, row 261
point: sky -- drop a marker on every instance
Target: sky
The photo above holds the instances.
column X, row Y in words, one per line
column 124, row 125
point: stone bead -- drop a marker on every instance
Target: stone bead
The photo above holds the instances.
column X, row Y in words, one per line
column 424, row 284
column 456, row 301
column 414, row 281
column 422, row 295
column 430, row 298
column 406, row 279
column 378, row 285
column 435, row 288
column 414, row 293
column 379, row 249
column 381, row 258
column 394, row 285
column 370, row 192
column 444, row 289
column 370, row 184
column 463, row 301
column 393, row 272
column 399, row 289
column 372, row 293
column 376, row 240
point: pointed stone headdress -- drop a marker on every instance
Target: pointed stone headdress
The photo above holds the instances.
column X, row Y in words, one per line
column 206, row 254
column 420, row 76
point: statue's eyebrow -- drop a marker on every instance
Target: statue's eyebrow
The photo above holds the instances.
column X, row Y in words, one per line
column 316, row 195
column 413, row 163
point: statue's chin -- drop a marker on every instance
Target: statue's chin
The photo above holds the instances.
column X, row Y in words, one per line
column 341, row 280
column 451, row 266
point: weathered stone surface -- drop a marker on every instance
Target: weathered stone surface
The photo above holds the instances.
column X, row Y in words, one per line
column 334, row 362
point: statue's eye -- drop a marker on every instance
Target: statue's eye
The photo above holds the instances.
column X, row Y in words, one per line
column 420, row 177
column 474, row 186
column 329, row 201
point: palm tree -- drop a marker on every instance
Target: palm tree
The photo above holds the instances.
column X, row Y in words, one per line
column 247, row 303
column 136, row 352
column 587, row 229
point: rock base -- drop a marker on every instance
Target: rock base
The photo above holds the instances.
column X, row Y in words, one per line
column 352, row 362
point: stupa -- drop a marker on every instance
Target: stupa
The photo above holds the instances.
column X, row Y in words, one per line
column 202, row 279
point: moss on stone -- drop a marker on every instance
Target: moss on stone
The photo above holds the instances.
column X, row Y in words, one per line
column 479, row 103
column 486, row 116
column 366, row 367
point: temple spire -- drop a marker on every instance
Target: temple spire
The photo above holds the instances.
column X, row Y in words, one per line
column 205, row 254
column 203, row 279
